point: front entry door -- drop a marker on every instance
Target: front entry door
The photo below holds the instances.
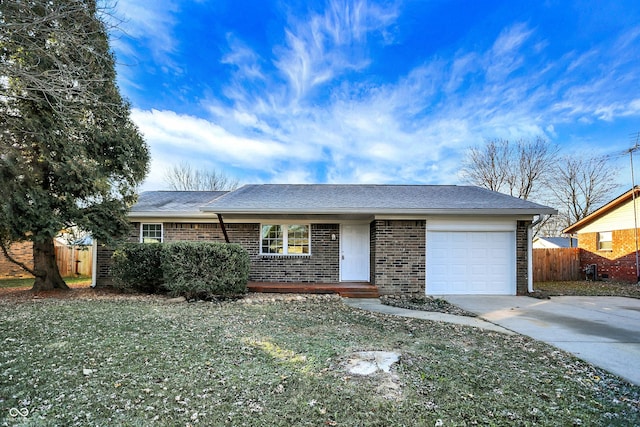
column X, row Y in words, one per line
column 354, row 252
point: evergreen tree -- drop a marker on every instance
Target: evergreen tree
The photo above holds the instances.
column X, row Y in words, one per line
column 69, row 153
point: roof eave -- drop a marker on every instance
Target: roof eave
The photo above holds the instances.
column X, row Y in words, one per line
column 169, row 214
column 493, row 211
column 573, row 228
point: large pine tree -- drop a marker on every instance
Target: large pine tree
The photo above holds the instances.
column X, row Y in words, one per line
column 69, row 153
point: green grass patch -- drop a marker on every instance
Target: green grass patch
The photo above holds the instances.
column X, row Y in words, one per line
column 28, row 282
column 589, row 288
column 138, row 362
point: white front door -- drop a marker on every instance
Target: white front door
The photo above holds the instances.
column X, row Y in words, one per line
column 354, row 252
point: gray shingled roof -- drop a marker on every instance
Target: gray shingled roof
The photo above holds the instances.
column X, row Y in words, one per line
column 561, row 242
column 374, row 199
column 174, row 201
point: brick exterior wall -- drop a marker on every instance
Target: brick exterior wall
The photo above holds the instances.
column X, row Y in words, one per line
column 522, row 258
column 103, row 266
column 103, row 258
column 398, row 256
column 22, row 252
column 322, row 266
column 618, row 264
column 192, row 232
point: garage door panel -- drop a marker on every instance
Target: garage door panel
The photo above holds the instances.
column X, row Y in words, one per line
column 478, row 253
column 475, row 237
column 470, row 262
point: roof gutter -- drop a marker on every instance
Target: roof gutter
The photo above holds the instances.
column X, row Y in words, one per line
column 370, row 211
column 530, row 251
column 167, row 214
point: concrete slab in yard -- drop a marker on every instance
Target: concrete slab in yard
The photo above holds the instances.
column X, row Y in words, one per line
column 604, row 331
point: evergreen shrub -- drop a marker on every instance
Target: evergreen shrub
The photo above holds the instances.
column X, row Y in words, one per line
column 137, row 267
column 203, row 270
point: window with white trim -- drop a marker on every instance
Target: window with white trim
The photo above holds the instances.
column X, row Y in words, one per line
column 151, row 233
column 285, row 239
column 605, row 241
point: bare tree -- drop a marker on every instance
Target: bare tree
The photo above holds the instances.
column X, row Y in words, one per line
column 581, row 185
column 183, row 177
column 516, row 168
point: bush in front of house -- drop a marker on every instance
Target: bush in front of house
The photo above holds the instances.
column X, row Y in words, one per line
column 205, row 269
column 138, row 267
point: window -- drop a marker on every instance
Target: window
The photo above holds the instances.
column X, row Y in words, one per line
column 285, row 239
column 151, row 233
column 605, row 241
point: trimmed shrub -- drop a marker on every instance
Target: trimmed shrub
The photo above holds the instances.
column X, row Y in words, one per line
column 205, row 269
column 138, row 267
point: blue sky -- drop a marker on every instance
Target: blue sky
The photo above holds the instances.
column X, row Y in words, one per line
column 374, row 92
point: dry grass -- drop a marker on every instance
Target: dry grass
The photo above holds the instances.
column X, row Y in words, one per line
column 133, row 360
column 589, row 288
column 28, row 283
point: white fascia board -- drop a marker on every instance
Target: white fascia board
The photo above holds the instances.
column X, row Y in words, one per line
column 378, row 212
column 171, row 217
column 309, row 219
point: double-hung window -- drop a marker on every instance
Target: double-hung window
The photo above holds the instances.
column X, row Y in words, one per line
column 151, row 233
column 605, row 241
column 285, row 239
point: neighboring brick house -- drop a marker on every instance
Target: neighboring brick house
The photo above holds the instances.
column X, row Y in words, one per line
column 554, row 242
column 401, row 238
column 608, row 238
column 22, row 252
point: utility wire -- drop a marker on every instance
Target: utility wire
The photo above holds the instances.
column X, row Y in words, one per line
column 635, row 213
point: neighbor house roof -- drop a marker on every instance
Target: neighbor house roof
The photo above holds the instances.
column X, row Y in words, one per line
column 598, row 213
column 372, row 199
column 560, row 242
column 172, row 203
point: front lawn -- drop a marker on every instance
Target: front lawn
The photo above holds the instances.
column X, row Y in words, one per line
column 589, row 288
column 28, row 282
column 140, row 360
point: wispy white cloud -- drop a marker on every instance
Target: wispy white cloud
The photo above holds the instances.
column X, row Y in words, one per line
column 309, row 124
column 141, row 27
column 150, row 25
column 245, row 59
column 173, row 136
column 323, row 46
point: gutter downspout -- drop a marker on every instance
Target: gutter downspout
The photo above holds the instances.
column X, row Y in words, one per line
column 530, row 252
column 224, row 229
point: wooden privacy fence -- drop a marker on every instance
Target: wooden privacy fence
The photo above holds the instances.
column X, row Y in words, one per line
column 556, row 264
column 74, row 260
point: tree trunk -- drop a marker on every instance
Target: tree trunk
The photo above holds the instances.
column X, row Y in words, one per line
column 45, row 267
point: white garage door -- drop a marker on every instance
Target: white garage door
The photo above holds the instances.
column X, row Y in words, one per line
column 471, row 262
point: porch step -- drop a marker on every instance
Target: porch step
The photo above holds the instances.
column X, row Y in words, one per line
column 347, row 289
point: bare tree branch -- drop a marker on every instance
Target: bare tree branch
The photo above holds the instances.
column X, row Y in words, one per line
column 581, row 185
column 517, row 169
column 183, row 177
column 64, row 80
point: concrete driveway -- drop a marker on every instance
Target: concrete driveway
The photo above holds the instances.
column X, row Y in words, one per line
column 604, row 331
